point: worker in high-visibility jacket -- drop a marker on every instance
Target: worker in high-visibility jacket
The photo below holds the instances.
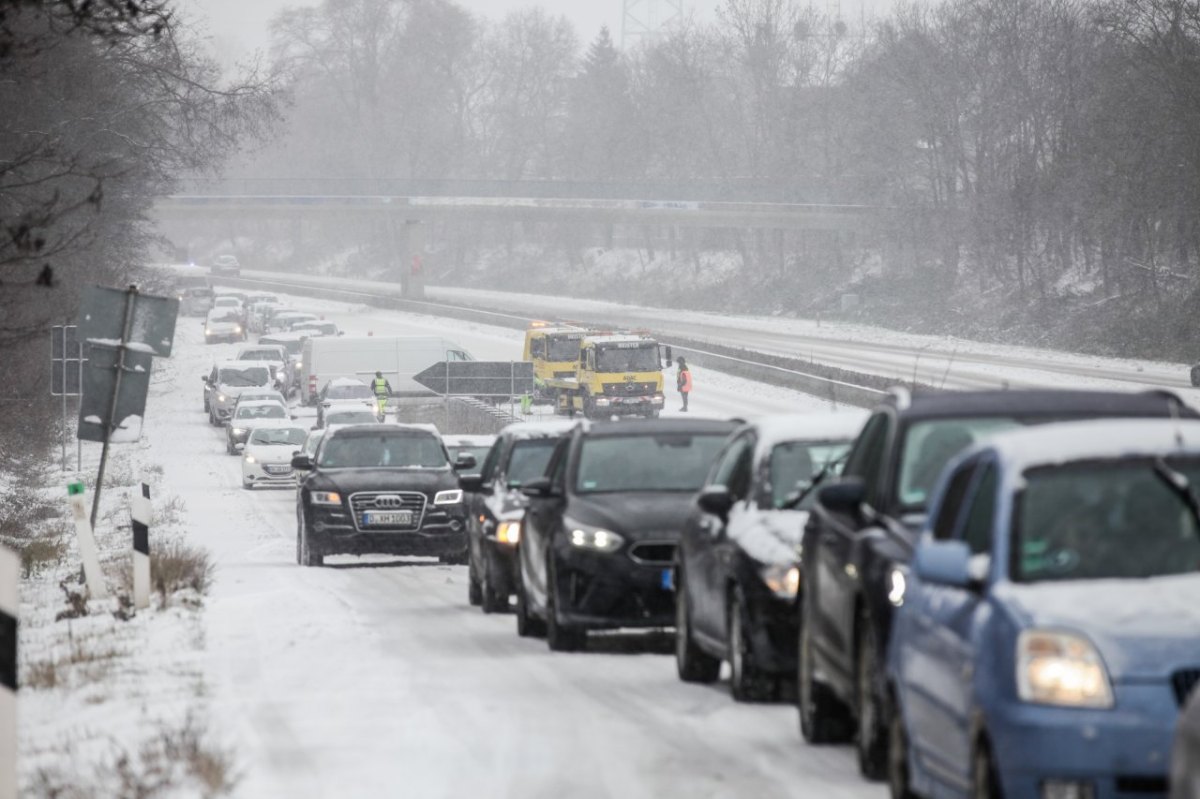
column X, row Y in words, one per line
column 683, row 381
column 382, row 389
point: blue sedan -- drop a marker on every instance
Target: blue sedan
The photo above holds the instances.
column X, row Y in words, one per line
column 1049, row 630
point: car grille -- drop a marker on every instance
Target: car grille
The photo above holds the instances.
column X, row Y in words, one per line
column 1184, row 682
column 653, row 553
column 388, row 501
column 628, row 389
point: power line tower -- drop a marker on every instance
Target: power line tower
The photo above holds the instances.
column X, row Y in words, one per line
column 646, row 20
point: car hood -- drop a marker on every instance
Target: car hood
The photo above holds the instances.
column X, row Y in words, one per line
column 638, row 515
column 1144, row 629
column 282, row 453
column 773, row 537
column 348, row 481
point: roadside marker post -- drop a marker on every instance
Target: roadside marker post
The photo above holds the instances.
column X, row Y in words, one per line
column 88, row 552
column 141, row 512
column 10, row 574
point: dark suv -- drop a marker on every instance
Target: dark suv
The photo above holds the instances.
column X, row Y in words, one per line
column 597, row 548
column 495, row 506
column 862, row 530
column 380, row 488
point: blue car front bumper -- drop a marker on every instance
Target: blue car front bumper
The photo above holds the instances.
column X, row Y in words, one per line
column 1121, row 752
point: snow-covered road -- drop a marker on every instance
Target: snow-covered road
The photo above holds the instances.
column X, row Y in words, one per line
column 373, row 677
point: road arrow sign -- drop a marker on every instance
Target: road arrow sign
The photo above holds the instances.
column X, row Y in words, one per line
column 478, row 378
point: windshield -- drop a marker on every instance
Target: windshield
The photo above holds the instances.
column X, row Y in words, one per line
column 664, row 462
column 562, row 348
column 627, row 358
column 794, row 464
column 271, row 411
column 351, row 417
column 929, row 446
column 403, row 451
column 259, row 355
column 313, row 440
column 1104, row 520
column 250, row 376
column 529, row 460
column 356, row 391
column 279, row 436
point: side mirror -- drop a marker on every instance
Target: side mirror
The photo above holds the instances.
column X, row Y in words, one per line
column 465, row 461
column 946, row 563
column 715, row 500
column 205, row 379
column 302, row 463
column 538, row 488
column 471, row 483
column 846, row 496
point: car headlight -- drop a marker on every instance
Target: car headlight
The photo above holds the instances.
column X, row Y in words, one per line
column 784, row 581
column 509, row 532
column 592, row 538
column 897, row 587
column 238, row 431
column 221, row 398
column 452, row 497
column 326, row 498
column 251, row 459
column 1056, row 668
column 207, row 332
column 237, row 328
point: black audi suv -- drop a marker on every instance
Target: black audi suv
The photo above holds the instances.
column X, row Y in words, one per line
column 380, row 488
column 598, row 544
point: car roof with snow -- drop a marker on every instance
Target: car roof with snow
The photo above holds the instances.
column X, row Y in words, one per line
column 235, row 364
column 1093, row 440
column 259, row 403
column 547, row 429
column 468, row 440
column 1037, row 402
column 781, row 428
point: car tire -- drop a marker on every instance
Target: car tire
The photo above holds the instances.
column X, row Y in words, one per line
column 899, row 780
column 527, row 625
column 823, row 719
column 492, row 600
column 559, row 637
column 474, row 591
column 308, row 554
column 691, row 662
column 871, row 739
column 984, row 782
column 747, row 683
column 230, row 447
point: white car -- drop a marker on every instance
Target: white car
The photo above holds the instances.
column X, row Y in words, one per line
column 284, row 320
column 223, row 324
column 273, row 356
column 340, row 417
column 226, row 265
column 344, row 393
column 250, row 415
column 226, row 382
column 267, row 458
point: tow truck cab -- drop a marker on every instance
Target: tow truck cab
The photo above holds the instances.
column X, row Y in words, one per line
column 554, row 353
column 615, row 375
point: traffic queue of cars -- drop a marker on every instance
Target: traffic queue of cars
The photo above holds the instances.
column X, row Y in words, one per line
column 987, row 593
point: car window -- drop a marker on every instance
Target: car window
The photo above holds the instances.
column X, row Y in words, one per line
column 529, row 459
column 558, row 464
column 727, row 461
column 488, row 471
column 741, row 477
column 930, row 445
column 261, row 412
column 247, row 377
column 948, row 512
column 279, row 436
column 651, row 462
column 977, row 530
column 794, row 464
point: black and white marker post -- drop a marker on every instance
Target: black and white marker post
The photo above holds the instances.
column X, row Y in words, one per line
column 142, row 512
column 10, row 572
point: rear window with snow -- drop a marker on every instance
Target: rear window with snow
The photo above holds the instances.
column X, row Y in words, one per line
column 244, row 377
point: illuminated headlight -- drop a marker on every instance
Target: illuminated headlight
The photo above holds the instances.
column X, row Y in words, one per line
column 658, row 399
column 1055, row 668
column 784, row 581
column 326, row 498
column 452, row 497
column 207, row 332
column 221, row 398
column 602, row 403
column 897, row 586
column 237, row 328
column 251, row 459
column 239, row 431
column 508, row 532
column 599, row 540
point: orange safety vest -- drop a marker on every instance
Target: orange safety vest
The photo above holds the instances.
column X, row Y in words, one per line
column 685, row 381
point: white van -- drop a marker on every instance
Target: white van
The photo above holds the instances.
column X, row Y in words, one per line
column 398, row 357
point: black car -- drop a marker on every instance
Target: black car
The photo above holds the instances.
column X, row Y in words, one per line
column 597, row 549
column 860, row 537
column 738, row 564
column 379, row 488
column 495, row 506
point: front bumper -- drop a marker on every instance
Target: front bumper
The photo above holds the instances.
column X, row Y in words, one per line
column 442, row 532
column 622, row 406
column 1121, row 752
column 597, row 590
column 257, row 474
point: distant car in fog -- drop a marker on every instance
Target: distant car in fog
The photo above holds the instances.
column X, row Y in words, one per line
column 317, row 328
column 382, row 488
column 223, row 324
column 196, row 301
column 226, row 265
column 283, row 321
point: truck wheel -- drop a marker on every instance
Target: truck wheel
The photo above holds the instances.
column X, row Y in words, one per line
column 691, row 662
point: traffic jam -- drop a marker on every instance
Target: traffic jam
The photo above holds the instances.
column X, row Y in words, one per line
column 981, row 593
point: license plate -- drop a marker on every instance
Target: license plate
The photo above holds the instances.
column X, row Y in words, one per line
column 399, row 518
column 279, row 469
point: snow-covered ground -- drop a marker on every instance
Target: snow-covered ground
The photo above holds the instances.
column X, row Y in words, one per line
column 373, row 676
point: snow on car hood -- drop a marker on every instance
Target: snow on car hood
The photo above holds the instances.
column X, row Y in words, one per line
column 775, row 536
column 635, row 515
column 1144, row 629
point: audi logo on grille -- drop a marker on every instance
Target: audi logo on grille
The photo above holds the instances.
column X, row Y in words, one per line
column 631, row 387
column 388, row 501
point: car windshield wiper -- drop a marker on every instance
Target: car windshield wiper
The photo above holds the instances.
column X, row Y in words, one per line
column 1179, row 484
column 793, row 500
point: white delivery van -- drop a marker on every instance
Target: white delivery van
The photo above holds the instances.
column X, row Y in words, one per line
column 398, row 357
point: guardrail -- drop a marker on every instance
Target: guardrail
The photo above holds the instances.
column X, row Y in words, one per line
column 838, row 386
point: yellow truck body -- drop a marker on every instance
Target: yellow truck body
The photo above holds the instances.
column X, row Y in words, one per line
column 613, row 375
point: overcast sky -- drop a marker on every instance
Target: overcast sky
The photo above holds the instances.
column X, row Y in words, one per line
column 239, row 27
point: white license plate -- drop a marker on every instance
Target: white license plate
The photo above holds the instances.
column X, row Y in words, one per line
column 400, row 518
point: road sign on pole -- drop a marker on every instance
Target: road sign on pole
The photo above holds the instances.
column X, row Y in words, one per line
column 478, row 378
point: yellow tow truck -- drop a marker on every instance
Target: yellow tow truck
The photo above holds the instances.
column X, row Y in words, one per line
column 554, row 352
column 614, row 374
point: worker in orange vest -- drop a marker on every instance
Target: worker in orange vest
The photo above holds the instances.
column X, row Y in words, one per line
column 683, row 381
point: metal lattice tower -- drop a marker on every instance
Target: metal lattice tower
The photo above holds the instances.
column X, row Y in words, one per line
column 649, row 19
